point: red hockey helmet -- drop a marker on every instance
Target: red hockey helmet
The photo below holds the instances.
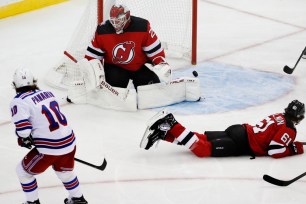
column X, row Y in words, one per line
column 119, row 17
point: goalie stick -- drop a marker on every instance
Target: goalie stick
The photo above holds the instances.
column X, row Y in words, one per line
column 101, row 167
column 104, row 84
column 279, row 182
column 289, row 70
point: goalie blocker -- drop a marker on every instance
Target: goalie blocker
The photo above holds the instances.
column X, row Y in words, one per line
column 92, row 88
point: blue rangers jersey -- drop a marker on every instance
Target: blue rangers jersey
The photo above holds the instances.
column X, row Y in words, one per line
column 38, row 113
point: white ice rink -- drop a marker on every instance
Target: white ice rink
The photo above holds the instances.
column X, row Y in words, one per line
column 261, row 35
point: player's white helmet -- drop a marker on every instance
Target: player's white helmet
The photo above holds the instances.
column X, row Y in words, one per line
column 23, row 77
column 119, row 17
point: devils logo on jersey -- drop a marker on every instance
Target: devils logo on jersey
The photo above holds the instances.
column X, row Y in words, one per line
column 124, row 53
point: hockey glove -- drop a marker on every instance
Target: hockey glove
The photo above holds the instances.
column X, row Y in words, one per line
column 26, row 142
column 297, row 148
column 162, row 70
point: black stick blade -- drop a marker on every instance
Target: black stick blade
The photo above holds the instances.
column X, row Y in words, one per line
column 101, row 167
column 278, row 182
column 288, row 70
column 274, row 181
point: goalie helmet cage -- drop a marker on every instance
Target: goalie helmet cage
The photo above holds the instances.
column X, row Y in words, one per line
column 174, row 21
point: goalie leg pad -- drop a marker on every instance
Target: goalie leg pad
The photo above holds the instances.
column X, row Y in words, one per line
column 77, row 94
column 162, row 94
column 105, row 99
column 193, row 89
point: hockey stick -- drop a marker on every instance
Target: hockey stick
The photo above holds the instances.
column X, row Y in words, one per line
column 279, row 182
column 289, row 70
column 101, row 167
column 106, row 85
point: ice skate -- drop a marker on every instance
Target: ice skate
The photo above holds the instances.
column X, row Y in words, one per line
column 73, row 200
column 157, row 129
column 34, row 202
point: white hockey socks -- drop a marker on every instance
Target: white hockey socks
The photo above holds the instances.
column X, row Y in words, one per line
column 70, row 182
column 28, row 183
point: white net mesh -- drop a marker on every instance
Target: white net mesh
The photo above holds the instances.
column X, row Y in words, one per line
column 170, row 19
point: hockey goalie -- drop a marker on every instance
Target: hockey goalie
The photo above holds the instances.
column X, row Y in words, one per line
column 125, row 68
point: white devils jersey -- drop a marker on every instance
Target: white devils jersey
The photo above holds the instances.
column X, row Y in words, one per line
column 38, row 113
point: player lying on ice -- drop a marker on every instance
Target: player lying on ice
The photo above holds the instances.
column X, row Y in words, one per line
column 274, row 136
column 132, row 54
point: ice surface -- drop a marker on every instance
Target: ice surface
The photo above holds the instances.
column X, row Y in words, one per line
column 243, row 46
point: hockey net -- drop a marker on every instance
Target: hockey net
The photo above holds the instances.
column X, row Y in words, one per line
column 174, row 22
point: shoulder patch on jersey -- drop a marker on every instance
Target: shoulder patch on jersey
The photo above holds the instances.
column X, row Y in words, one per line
column 105, row 28
column 137, row 25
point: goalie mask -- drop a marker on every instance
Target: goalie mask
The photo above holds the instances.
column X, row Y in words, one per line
column 296, row 111
column 119, row 17
column 23, row 77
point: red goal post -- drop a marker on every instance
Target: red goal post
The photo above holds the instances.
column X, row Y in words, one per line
column 174, row 21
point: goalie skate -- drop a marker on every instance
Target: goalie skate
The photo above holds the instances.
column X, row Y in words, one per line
column 157, row 129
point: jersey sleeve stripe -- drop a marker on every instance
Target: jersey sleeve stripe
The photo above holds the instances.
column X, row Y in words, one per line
column 276, row 148
column 155, row 53
column 155, row 44
column 93, row 56
column 21, row 121
column 23, row 125
column 94, row 52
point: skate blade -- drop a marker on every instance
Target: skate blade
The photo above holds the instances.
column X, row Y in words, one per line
column 144, row 140
column 148, row 132
column 156, row 117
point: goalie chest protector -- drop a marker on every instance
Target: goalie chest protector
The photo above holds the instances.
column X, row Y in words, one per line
column 130, row 49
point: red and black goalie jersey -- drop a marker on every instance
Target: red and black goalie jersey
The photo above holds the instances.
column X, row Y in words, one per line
column 137, row 45
column 272, row 136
